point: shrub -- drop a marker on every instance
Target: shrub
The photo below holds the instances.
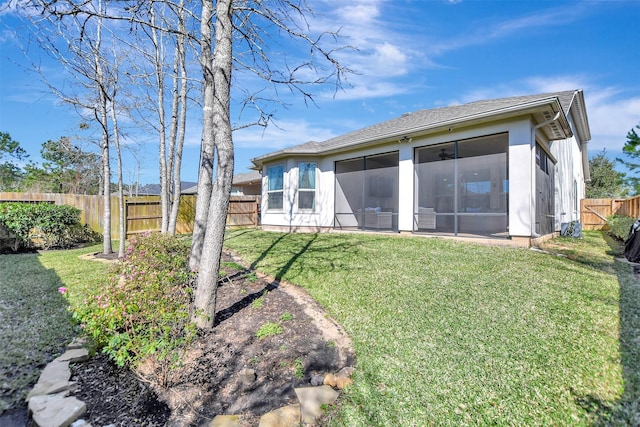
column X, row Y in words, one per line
column 44, row 225
column 619, row 226
column 142, row 309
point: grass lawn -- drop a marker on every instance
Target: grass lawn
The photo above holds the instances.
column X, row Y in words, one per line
column 451, row 333
column 34, row 323
column 446, row 333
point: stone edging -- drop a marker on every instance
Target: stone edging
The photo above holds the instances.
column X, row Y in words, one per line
column 49, row 402
column 324, row 389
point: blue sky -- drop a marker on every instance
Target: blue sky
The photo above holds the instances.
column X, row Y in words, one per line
column 411, row 55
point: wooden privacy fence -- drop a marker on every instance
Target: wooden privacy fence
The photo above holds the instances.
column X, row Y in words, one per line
column 142, row 214
column 594, row 212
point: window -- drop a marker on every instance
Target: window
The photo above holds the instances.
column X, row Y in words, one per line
column 275, row 191
column 306, row 185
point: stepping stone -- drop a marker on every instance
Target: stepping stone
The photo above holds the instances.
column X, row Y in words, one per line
column 311, row 401
column 287, row 416
column 56, row 410
column 225, row 421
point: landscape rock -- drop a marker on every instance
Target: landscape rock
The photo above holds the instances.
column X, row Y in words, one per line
column 80, row 423
column 77, row 343
column 56, row 410
column 44, row 387
column 317, row 380
column 53, row 379
column 247, row 376
column 346, row 372
column 55, row 372
column 287, row 416
column 74, row 355
column 312, row 400
column 225, row 421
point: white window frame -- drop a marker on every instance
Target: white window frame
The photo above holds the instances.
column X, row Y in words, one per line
column 308, row 190
column 275, row 191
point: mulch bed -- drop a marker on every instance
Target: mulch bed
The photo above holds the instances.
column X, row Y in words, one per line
column 208, row 384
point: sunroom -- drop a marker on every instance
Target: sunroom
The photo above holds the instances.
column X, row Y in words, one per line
column 511, row 168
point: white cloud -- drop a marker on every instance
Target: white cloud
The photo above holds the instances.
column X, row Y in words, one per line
column 487, row 31
column 389, row 60
column 281, row 134
column 611, row 111
column 382, row 55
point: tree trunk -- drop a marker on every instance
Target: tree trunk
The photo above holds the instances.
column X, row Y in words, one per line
column 205, row 293
column 162, row 143
column 122, row 232
column 182, row 121
column 205, row 174
column 104, row 122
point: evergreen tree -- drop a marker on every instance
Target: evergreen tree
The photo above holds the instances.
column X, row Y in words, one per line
column 606, row 182
column 10, row 173
column 631, row 149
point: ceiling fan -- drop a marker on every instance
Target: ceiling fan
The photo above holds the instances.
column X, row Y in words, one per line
column 444, row 155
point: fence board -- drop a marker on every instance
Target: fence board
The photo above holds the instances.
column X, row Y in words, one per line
column 142, row 214
column 594, row 212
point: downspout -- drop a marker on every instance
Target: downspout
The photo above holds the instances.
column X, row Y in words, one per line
column 532, row 223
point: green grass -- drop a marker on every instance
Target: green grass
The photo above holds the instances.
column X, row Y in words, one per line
column 451, row 333
column 35, row 325
column 269, row 329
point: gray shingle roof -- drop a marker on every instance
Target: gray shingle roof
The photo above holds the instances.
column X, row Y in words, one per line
column 425, row 119
column 247, row 177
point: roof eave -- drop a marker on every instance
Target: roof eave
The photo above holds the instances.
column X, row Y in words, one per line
column 503, row 113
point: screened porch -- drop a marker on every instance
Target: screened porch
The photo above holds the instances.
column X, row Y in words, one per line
column 462, row 188
column 366, row 196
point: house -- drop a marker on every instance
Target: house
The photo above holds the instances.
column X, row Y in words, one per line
column 151, row 189
column 511, row 168
column 247, row 184
column 243, row 184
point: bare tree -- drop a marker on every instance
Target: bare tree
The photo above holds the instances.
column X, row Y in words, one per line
column 75, row 42
column 247, row 21
column 163, row 31
column 244, row 33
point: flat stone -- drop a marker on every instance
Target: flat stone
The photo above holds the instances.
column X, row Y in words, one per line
column 56, row 410
column 225, row 421
column 287, row 416
column 74, row 355
column 77, row 343
column 312, row 399
column 55, row 372
column 80, row 423
column 43, row 387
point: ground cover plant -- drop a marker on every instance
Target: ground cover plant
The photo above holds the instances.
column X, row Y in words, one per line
column 451, row 333
column 34, row 323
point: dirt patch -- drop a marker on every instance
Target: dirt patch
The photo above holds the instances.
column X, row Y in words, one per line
column 208, row 382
